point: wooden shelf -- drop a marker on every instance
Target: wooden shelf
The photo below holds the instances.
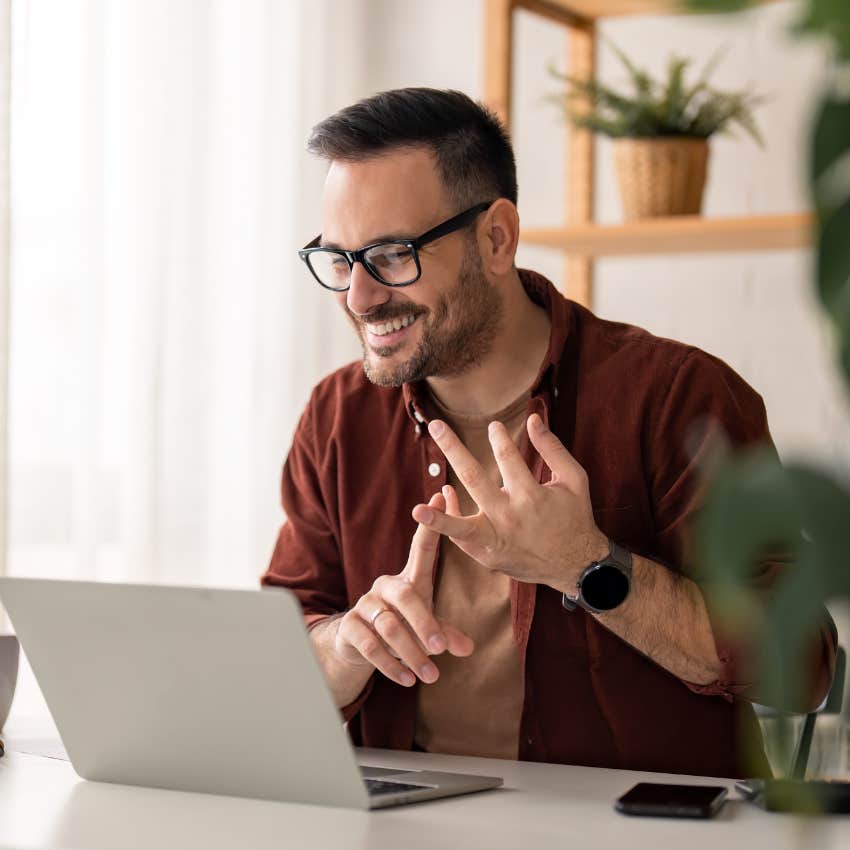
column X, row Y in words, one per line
column 677, row 235
column 581, row 239
column 591, row 10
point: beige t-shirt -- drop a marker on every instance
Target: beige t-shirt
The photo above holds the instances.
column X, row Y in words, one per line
column 474, row 708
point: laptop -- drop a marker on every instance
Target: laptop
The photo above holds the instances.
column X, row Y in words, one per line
column 197, row 689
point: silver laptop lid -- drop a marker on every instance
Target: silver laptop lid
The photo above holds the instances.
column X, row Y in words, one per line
column 192, row 689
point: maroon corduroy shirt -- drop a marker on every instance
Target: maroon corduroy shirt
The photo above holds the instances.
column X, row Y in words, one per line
column 624, row 402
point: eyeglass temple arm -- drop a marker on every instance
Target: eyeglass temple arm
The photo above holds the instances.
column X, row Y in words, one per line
column 435, row 233
column 452, row 224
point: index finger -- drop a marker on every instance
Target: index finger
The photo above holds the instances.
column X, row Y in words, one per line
column 419, row 570
column 470, row 472
column 516, row 476
column 556, row 455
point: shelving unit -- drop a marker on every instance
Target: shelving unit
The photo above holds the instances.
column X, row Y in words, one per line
column 580, row 236
column 686, row 234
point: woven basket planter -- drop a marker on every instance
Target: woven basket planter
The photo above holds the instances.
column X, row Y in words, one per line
column 661, row 176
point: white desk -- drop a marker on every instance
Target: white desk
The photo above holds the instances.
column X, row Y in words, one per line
column 43, row 804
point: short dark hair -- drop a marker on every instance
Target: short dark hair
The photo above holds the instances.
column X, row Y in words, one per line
column 471, row 146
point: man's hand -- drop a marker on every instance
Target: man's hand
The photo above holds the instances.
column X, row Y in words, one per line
column 540, row 533
column 392, row 628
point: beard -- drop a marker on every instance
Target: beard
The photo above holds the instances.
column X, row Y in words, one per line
column 456, row 335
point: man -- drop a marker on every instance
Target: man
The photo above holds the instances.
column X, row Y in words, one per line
column 487, row 521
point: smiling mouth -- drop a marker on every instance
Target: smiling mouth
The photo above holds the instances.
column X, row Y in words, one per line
column 390, row 332
column 390, row 326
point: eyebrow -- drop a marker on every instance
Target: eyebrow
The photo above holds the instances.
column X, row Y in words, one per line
column 388, row 237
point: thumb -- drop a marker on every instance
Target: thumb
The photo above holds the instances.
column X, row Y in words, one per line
column 457, row 643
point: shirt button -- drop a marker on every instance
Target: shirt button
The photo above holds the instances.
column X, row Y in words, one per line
column 434, row 469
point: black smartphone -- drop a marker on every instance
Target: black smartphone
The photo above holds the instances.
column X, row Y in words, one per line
column 672, row 801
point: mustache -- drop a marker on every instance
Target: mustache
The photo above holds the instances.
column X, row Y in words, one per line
column 385, row 314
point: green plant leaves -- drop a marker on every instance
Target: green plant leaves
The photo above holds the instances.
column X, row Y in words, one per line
column 830, row 18
column 655, row 108
column 833, row 262
column 670, row 105
column 830, row 139
column 752, row 487
column 755, row 504
column 641, row 80
column 830, row 186
column 756, row 507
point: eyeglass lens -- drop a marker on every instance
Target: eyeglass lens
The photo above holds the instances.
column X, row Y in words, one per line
column 392, row 263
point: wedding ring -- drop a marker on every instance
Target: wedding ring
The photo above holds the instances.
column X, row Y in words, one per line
column 377, row 613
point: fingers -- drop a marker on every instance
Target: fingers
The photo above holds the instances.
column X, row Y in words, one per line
column 400, row 595
column 469, row 529
column 419, row 570
column 459, row 644
column 452, row 500
column 393, row 627
column 393, row 650
column 354, row 636
column 380, row 635
column 378, row 630
column 470, row 472
column 516, row 476
column 401, row 642
column 565, row 468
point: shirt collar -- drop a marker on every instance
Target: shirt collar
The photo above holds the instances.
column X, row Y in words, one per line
column 543, row 292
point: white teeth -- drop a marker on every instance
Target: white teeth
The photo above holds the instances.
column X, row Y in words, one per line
column 393, row 325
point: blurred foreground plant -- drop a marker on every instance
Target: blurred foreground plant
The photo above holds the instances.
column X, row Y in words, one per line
column 755, row 505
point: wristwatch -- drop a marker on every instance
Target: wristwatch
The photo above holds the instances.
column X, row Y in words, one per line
column 604, row 584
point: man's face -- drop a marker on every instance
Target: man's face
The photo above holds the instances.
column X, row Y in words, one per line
column 445, row 323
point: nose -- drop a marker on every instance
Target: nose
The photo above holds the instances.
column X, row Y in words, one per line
column 365, row 293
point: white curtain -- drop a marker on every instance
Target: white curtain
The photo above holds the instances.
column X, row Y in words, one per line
column 5, row 97
column 164, row 336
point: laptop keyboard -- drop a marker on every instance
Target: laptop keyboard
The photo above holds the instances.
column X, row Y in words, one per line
column 376, row 787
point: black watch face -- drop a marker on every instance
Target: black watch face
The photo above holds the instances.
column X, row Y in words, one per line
column 605, row 587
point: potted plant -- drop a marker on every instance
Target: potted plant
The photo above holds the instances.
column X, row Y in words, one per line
column 660, row 131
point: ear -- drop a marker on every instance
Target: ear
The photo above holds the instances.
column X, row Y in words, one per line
column 498, row 236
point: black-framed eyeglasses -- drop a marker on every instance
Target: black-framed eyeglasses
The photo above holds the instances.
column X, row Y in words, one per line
column 392, row 263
